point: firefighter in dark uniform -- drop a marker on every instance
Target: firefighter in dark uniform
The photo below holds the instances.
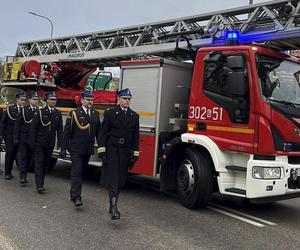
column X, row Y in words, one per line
column 6, row 131
column 21, row 132
column 118, row 147
column 45, row 127
column 81, row 129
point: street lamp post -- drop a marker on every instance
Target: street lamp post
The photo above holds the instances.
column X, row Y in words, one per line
column 250, row 2
column 35, row 14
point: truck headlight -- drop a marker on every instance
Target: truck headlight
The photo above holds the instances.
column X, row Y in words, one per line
column 266, row 172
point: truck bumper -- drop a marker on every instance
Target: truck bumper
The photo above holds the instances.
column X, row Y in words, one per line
column 285, row 187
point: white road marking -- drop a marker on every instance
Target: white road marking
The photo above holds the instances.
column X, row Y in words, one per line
column 254, row 223
column 5, row 244
column 245, row 215
column 234, row 214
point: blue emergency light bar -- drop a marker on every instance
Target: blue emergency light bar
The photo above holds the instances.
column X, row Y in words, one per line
column 232, row 37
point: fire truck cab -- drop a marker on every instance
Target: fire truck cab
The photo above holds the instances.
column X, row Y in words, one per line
column 230, row 122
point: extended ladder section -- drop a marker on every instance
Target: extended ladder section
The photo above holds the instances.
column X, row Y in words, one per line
column 274, row 24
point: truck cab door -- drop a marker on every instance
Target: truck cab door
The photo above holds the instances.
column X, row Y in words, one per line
column 221, row 103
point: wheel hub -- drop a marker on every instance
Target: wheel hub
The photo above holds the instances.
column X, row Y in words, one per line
column 186, row 177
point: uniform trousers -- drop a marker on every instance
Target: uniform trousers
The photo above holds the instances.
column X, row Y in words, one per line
column 79, row 163
column 115, row 171
column 25, row 159
column 10, row 155
column 42, row 158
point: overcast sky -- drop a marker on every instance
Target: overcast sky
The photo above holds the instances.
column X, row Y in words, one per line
column 79, row 16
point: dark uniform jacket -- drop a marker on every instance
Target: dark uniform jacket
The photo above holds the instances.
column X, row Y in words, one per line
column 117, row 126
column 8, row 121
column 1, row 114
column 80, row 131
column 22, row 124
column 118, row 138
column 45, row 127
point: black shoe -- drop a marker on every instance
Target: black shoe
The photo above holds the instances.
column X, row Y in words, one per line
column 23, row 181
column 115, row 214
column 9, row 176
column 1, row 172
column 40, row 190
column 77, row 202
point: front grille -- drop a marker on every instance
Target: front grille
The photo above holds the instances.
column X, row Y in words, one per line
column 295, row 147
column 294, row 160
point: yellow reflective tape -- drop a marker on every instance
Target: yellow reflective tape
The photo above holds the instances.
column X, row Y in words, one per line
column 230, row 129
column 65, row 109
column 101, row 111
column 146, row 113
column 101, row 150
column 136, row 153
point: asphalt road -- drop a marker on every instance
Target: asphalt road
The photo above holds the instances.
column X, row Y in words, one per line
column 149, row 219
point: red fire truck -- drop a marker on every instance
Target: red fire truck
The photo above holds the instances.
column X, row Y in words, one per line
column 219, row 102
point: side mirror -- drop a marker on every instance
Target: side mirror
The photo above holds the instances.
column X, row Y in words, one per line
column 236, row 84
column 236, row 62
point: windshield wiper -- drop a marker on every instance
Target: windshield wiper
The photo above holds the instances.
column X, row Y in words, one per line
column 291, row 104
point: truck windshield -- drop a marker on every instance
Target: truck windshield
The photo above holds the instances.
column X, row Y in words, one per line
column 280, row 79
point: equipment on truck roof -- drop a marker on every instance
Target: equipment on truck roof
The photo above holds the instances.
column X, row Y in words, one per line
column 274, row 24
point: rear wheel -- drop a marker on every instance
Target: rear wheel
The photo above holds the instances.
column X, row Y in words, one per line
column 194, row 179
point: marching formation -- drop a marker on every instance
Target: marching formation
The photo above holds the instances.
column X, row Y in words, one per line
column 31, row 133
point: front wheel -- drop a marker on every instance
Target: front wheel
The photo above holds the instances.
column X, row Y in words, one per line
column 194, row 179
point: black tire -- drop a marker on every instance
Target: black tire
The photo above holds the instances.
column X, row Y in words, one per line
column 52, row 164
column 194, row 179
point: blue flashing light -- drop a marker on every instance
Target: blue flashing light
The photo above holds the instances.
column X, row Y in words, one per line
column 232, row 37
